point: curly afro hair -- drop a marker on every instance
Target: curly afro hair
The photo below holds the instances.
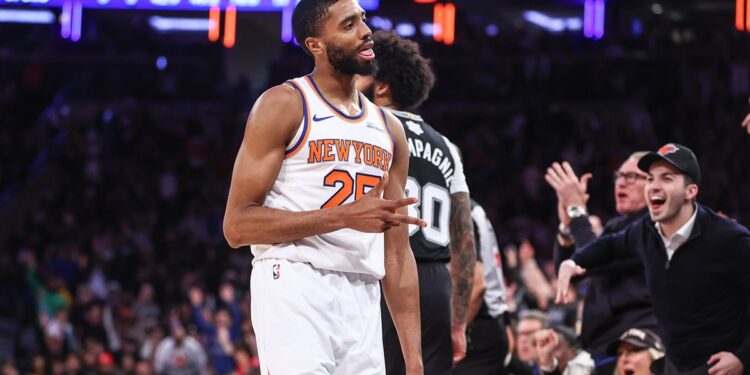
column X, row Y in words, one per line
column 403, row 68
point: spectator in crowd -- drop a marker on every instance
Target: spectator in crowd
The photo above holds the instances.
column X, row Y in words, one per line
column 636, row 350
column 558, row 352
column 222, row 331
column 549, row 351
column 180, row 354
column 525, row 358
column 616, row 297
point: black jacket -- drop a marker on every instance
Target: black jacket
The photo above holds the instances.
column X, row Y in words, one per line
column 701, row 296
column 617, row 298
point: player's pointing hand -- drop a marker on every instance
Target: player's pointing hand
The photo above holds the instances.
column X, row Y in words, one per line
column 372, row 213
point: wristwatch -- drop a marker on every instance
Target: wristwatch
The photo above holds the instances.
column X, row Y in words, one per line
column 576, row 211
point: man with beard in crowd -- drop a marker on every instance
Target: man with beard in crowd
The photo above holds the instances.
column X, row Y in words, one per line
column 318, row 191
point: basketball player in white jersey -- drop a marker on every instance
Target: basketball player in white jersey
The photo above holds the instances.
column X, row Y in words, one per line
column 306, row 194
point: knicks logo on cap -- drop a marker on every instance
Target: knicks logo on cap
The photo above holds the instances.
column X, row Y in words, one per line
column 276, row 271
column 667, row 149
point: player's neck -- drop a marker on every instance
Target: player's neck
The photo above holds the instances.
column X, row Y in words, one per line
column 336, row 87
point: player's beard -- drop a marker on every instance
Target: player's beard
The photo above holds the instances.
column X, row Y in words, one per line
column 346, row 62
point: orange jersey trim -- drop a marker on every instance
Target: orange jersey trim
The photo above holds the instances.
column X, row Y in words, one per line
column 351, row 119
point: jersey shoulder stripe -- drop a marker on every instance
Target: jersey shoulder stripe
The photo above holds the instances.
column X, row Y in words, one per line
column 301, row 138
column 388, row 130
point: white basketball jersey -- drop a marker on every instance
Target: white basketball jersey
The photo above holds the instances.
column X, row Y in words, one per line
column 333, row 159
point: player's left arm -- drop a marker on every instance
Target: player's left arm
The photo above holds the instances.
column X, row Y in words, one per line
column 463, row 255
column 400, row 284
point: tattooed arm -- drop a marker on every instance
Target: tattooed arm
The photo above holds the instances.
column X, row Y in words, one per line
column 463, row 259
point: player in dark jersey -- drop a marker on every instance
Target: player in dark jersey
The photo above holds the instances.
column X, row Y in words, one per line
column 436, row 178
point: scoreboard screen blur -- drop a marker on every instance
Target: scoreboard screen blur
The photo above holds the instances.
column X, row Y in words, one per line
column 241, row 5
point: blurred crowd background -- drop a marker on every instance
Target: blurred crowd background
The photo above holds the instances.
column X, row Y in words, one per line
column 114, row 172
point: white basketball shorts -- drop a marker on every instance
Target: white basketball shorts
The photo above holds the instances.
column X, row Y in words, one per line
column 312, row 321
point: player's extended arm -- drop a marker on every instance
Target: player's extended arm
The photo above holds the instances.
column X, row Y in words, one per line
column 400, row 284
column 273, row 120
column 463, row 262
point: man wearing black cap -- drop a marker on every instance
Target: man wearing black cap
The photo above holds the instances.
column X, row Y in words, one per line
column 697, row 267
column 636, row 350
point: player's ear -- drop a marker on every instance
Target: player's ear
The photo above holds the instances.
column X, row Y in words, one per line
column 315, row 45
column 382, row 89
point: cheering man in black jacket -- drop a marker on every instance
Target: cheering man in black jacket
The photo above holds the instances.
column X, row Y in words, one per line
column 697, row 267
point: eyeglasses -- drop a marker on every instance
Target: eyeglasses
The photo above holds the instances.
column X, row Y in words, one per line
column 630, row 177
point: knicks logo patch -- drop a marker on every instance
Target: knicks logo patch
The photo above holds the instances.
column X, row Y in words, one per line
column 667, row 149
column 276, row 271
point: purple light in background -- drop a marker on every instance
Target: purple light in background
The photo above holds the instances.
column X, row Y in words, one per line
column 544, row 21
column 588, row 18
column 26, row 16
column 286, row 22
column 636, row 27
column 599, row 19
column 406, row 29
column 75, row 33
column 65, row 20
column 178, row 5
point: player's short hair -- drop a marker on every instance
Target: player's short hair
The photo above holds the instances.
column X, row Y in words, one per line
column 308, row 18
column 403, row 68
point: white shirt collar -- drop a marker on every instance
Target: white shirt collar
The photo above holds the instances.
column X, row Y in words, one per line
column 679, row 237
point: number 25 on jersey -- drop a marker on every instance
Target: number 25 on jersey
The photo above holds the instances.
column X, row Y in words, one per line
column 348, row 185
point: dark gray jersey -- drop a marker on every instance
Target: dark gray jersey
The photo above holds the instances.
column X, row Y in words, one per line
column 435, row 172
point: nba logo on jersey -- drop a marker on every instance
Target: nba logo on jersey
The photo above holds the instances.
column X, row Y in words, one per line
column 276, row 271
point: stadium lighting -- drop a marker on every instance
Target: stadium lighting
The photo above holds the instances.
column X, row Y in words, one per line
column 161, row 62
column 26, row 16
column 593, row 18
column 77, row 19
column 599, row 19
column 406, row 29
column 544, row 21
column 449, row 23
column 426, row 28
column 286, row 23
column 178, row 24
column 65, row 16
column 491, row 30
column 214, row 18
column 230, row 26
